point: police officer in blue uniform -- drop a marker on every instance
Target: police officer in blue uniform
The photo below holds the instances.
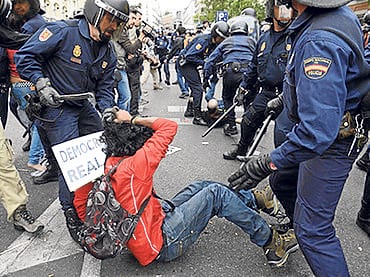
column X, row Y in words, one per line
column 264, row 74
column 72, row 57
column 161, row 49
column 363, row 216
column 193, row 56
column 326, row 78
column 235, row 52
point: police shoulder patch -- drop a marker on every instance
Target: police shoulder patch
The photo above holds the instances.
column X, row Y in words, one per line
column 316, row 67
column 45, row 35
column 198, row 46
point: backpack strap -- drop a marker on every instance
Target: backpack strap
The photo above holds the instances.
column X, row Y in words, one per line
column 141, row 210
column 113, row 170
column 165, row 200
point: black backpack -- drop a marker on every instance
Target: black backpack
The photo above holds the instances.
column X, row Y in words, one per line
column 107, row 227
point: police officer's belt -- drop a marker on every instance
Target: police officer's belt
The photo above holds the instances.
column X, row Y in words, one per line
column 235, row 66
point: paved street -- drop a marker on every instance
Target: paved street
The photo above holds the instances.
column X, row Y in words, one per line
column 222, row 250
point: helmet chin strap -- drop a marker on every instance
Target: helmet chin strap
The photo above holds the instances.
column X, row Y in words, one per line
column 283, row 23
column 102, row 36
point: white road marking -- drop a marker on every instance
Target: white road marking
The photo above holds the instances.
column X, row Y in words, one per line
column 52, row 244
column 91, row 266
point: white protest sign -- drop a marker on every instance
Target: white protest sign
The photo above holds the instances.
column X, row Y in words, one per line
column 81, row 160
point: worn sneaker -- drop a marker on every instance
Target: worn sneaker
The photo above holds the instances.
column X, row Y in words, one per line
column 73, row 223
column 281, row 245
column 266, row 200
column 24, row 221
column 230, row 130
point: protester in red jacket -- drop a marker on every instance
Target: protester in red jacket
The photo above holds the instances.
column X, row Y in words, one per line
column 166, row 229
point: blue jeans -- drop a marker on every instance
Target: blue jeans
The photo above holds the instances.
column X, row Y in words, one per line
column 210, row 91
column 196, row 205
column 36, row 152
column 124, row 93
column 69, row 122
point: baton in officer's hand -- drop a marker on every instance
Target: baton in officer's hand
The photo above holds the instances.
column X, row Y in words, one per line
column 258, row 139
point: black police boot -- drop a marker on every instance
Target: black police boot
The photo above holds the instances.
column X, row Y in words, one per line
column 230, row 130
column 49, row 175
column 74, row 223
column 364, row 162
column 239, row 150
column 189, row 109
column 198, row 119
column 363, row 217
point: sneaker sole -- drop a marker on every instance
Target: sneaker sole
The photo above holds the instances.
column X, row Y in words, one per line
column 49, row 181
column 230, row 158
column 21, row 228
column 283, row 260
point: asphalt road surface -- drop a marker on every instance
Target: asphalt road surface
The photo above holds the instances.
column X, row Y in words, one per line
column 222, row 249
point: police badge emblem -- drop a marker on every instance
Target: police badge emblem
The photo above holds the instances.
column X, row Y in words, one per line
column 45, row 35
column 77, row 51
column 316, row 67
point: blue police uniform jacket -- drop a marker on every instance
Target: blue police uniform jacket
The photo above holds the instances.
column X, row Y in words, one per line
column 237, row 48
column 324, row 79
column 161, row 42
column 33, row 24
column 63, row 52
column 269, row 60
column 198, row 49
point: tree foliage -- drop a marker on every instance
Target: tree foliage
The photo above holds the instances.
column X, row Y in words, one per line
column 234, row 8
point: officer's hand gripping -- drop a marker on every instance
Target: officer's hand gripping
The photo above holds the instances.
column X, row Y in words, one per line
column 48, row 95
column 109, row 115
column 253, row 171
column 239, row 97
column 275, row 106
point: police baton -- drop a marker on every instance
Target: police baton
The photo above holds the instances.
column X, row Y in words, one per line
column 219, row 119
column 258, row 139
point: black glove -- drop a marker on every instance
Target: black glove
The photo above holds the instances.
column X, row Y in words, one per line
column 48, row 95
column 275, row 106
column 251, row 173
column 109, row 114
column 239, row 97
column 206, row 84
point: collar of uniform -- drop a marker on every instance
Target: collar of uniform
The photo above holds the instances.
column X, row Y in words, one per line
column 301, row 20
column 84, row 28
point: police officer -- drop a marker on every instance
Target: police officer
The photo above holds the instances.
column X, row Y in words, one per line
column 161, row 49
column 193, row 56
column 363, row 216
column 265, row 74
column 235, row 52
column 364, row 162
column 326, row 78
column 72, row 57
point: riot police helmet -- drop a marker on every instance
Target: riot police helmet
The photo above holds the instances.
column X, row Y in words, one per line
column 5, row 8
column 317, row 3
column 94, row 10
column 284, row 13
column 220, row 29
column 239, row 26
column 249, row 11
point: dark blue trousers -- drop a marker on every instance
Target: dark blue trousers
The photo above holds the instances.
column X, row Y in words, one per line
column 71, row 122
column 320, row 184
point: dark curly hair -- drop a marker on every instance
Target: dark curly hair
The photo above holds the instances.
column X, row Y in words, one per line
column 124, row 139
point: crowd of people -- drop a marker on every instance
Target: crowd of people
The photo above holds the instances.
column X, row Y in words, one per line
column 308, row 68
